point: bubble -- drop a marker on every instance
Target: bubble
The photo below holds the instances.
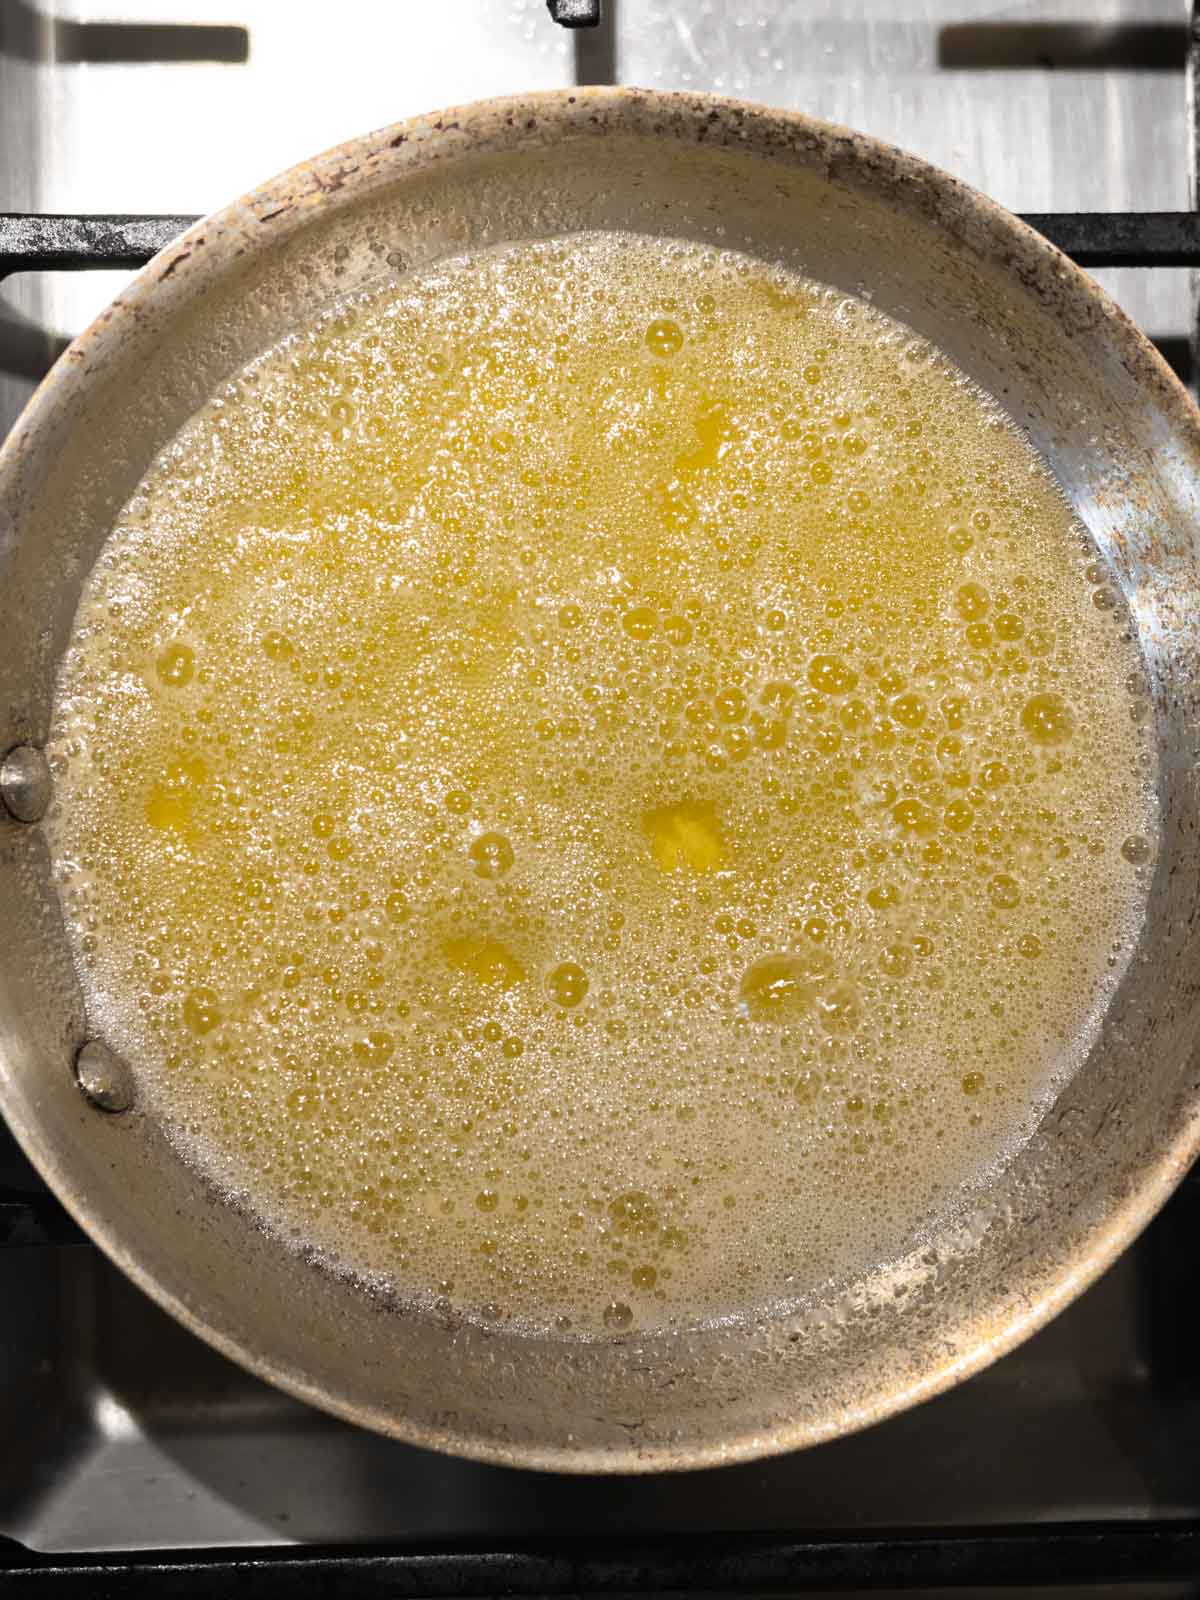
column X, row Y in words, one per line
column 640, row 623
column 971, row 602
column 635, row 1214
column 909, row 710
column 201, row 1010
column 831, row 675
column 978, row 635
column 1047, row 719
column 778, row 988
column 618, row 1316
column 175, row 665
column 568, row 984
column 1004, row 891
column 914, row 816
column 491, row 855
column 377, row 1047
column 958, row 816
column 1136, row 849
column 896, row 961
column 397, row 907
column 276, row 646
column 730, row 705
column 484, row 959
column 954, row 710
column 664, row 338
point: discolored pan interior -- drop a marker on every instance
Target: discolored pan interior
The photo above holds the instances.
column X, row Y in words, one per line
column 1124, row 443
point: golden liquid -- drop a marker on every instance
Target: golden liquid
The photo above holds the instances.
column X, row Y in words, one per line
column 592, row 786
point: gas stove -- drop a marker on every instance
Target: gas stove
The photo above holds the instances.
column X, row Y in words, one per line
column 137, row 1460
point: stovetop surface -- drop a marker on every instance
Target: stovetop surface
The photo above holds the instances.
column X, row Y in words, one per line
column 123, row 1431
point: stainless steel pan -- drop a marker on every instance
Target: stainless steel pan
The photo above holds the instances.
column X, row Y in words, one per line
column 1122, row 438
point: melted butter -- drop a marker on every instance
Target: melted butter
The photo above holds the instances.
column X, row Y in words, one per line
column 591, row 786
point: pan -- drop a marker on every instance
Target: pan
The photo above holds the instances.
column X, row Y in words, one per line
column 1123, row 441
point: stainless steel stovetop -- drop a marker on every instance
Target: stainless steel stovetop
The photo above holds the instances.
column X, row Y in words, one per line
column 121, row 1431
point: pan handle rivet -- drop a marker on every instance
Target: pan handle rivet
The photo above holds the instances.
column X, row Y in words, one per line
column 25, row 783
column 104, row 1076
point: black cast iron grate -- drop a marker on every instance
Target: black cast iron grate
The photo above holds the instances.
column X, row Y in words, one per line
column 76, row 243
column 1024, row 1560
column 1041, row 1558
